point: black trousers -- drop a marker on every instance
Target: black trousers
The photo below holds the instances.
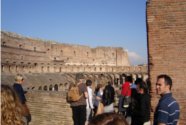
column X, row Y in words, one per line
column 79, row 114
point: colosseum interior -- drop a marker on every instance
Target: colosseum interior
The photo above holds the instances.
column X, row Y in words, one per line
column 49, row 67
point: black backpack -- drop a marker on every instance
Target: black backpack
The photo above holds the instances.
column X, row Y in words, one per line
column 108, row 95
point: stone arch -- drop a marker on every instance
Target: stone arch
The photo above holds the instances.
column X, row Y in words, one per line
column 100, row 68
column 60, row 87
column 50, row 87
column 45, row 88
column 9, row 68
column 34, row 48
column 40, row 88
column 54, row 68
column 4, row 43
column 66, row 86
column 108, row 77
column 20, row 46
column 60, row 69
column 48, row 68
column 2, row 68
column 94, row 69
column 16, row 68
column 42, row 68
column 116, row 79
column 122, row 78
column 55, row 87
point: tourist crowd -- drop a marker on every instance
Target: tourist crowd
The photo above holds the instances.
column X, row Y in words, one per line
column 97, row 106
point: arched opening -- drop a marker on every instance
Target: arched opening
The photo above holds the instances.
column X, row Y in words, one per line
column 50, row 88
column 4, row 43
column 16, row 68
column 45, row 88
column 56, row 87
column 40, row 88
column 48, row 69
column 2, row 68
column 42, row 68
column 20, row 46
column 100, row 68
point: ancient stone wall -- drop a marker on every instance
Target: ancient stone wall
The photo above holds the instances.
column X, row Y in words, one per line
column 25, row 55
column 166, row 27
column 18, row 50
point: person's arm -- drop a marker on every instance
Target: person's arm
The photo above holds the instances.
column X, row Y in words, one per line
column 98, row 98
column 86, row 94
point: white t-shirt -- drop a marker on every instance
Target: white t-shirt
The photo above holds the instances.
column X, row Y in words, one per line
column 90, row 97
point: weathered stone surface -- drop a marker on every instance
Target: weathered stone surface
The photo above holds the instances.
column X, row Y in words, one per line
column 48, row 68
column 46, row 53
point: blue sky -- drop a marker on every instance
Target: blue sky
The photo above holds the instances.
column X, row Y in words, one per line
column 116, row 23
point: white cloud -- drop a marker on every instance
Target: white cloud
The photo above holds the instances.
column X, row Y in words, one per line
column 135, row 59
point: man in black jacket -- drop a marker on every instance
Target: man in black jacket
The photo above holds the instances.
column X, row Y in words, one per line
column 141, row 110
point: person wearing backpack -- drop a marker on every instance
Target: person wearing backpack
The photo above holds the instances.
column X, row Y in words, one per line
column 79, row 106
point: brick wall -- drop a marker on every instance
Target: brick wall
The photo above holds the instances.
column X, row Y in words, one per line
column 49, row 108
column 166, row 27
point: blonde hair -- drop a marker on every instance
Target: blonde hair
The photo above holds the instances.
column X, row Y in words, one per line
column 18, row 78
column 11, row 111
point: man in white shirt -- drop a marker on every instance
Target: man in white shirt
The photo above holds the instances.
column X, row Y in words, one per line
column 89, row 102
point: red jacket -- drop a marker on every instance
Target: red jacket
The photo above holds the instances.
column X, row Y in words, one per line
column 126, row 90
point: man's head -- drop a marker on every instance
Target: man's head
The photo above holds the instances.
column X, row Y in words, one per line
column 129, row 79
column 19, row 78
column 141, row 87
column 88, row 82
column 163, row 84
column 79, row 77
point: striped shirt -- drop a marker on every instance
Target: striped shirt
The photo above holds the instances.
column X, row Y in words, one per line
column 167, row 111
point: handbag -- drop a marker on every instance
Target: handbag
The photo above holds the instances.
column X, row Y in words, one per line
column 100, row 108
column 126, row 101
